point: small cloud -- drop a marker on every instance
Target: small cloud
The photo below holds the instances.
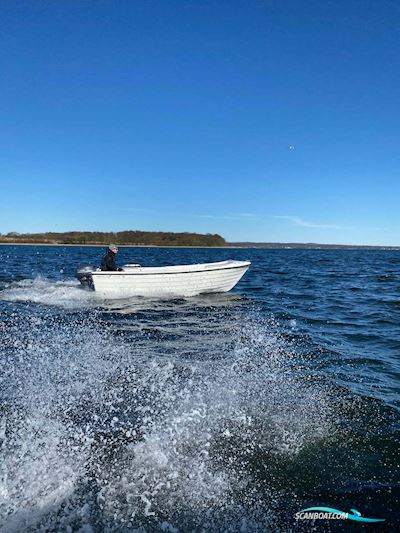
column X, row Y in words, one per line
column 247, row 215
column 298, row 221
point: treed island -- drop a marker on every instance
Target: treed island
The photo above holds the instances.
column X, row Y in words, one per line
column 129, row 238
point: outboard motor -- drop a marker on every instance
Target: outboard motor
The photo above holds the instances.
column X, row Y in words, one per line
column 84, row 274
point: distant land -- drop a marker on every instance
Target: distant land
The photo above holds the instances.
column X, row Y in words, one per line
column 168, row 239
column 309, row 245
column 133, row 238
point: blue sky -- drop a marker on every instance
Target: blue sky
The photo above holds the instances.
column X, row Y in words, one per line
column 258, row 120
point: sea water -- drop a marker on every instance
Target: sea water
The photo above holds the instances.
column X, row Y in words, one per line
column 224, row 412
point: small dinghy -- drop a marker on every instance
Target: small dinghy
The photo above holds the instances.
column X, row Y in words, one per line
column 181, row 280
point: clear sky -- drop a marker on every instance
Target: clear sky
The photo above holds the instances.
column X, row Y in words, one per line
column 271, row 120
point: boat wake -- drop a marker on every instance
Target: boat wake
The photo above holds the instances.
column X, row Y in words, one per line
column 66, row 294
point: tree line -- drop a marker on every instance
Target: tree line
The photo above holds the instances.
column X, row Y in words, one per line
column 134, row 238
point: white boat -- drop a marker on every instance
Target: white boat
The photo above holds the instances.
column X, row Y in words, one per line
column 181, row 280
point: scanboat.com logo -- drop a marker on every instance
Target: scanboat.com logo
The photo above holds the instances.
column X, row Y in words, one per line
column 327, row 513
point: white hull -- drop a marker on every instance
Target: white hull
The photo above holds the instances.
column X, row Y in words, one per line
column 182, row 280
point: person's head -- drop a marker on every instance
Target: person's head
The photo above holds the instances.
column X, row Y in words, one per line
column 113, row 248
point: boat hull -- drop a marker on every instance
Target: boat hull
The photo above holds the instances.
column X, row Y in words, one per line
column 185, row 280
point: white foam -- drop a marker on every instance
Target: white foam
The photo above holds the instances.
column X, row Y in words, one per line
column 66, row 294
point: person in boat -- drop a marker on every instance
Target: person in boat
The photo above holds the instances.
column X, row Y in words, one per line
column 108, row 261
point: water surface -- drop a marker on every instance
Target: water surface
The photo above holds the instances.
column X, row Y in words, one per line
column 225, row 412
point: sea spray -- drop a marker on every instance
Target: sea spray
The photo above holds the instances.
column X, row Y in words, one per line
column 102, row 432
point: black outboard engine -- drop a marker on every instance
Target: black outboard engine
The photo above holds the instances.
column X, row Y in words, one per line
column 84, row 274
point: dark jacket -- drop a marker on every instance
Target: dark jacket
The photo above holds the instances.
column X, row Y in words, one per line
column 108, row 261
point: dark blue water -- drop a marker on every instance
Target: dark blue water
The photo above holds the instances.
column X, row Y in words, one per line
column 223, row 412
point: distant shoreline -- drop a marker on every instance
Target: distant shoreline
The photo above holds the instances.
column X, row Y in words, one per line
column 237, row 246
column 309, row 246
column 89, row 245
